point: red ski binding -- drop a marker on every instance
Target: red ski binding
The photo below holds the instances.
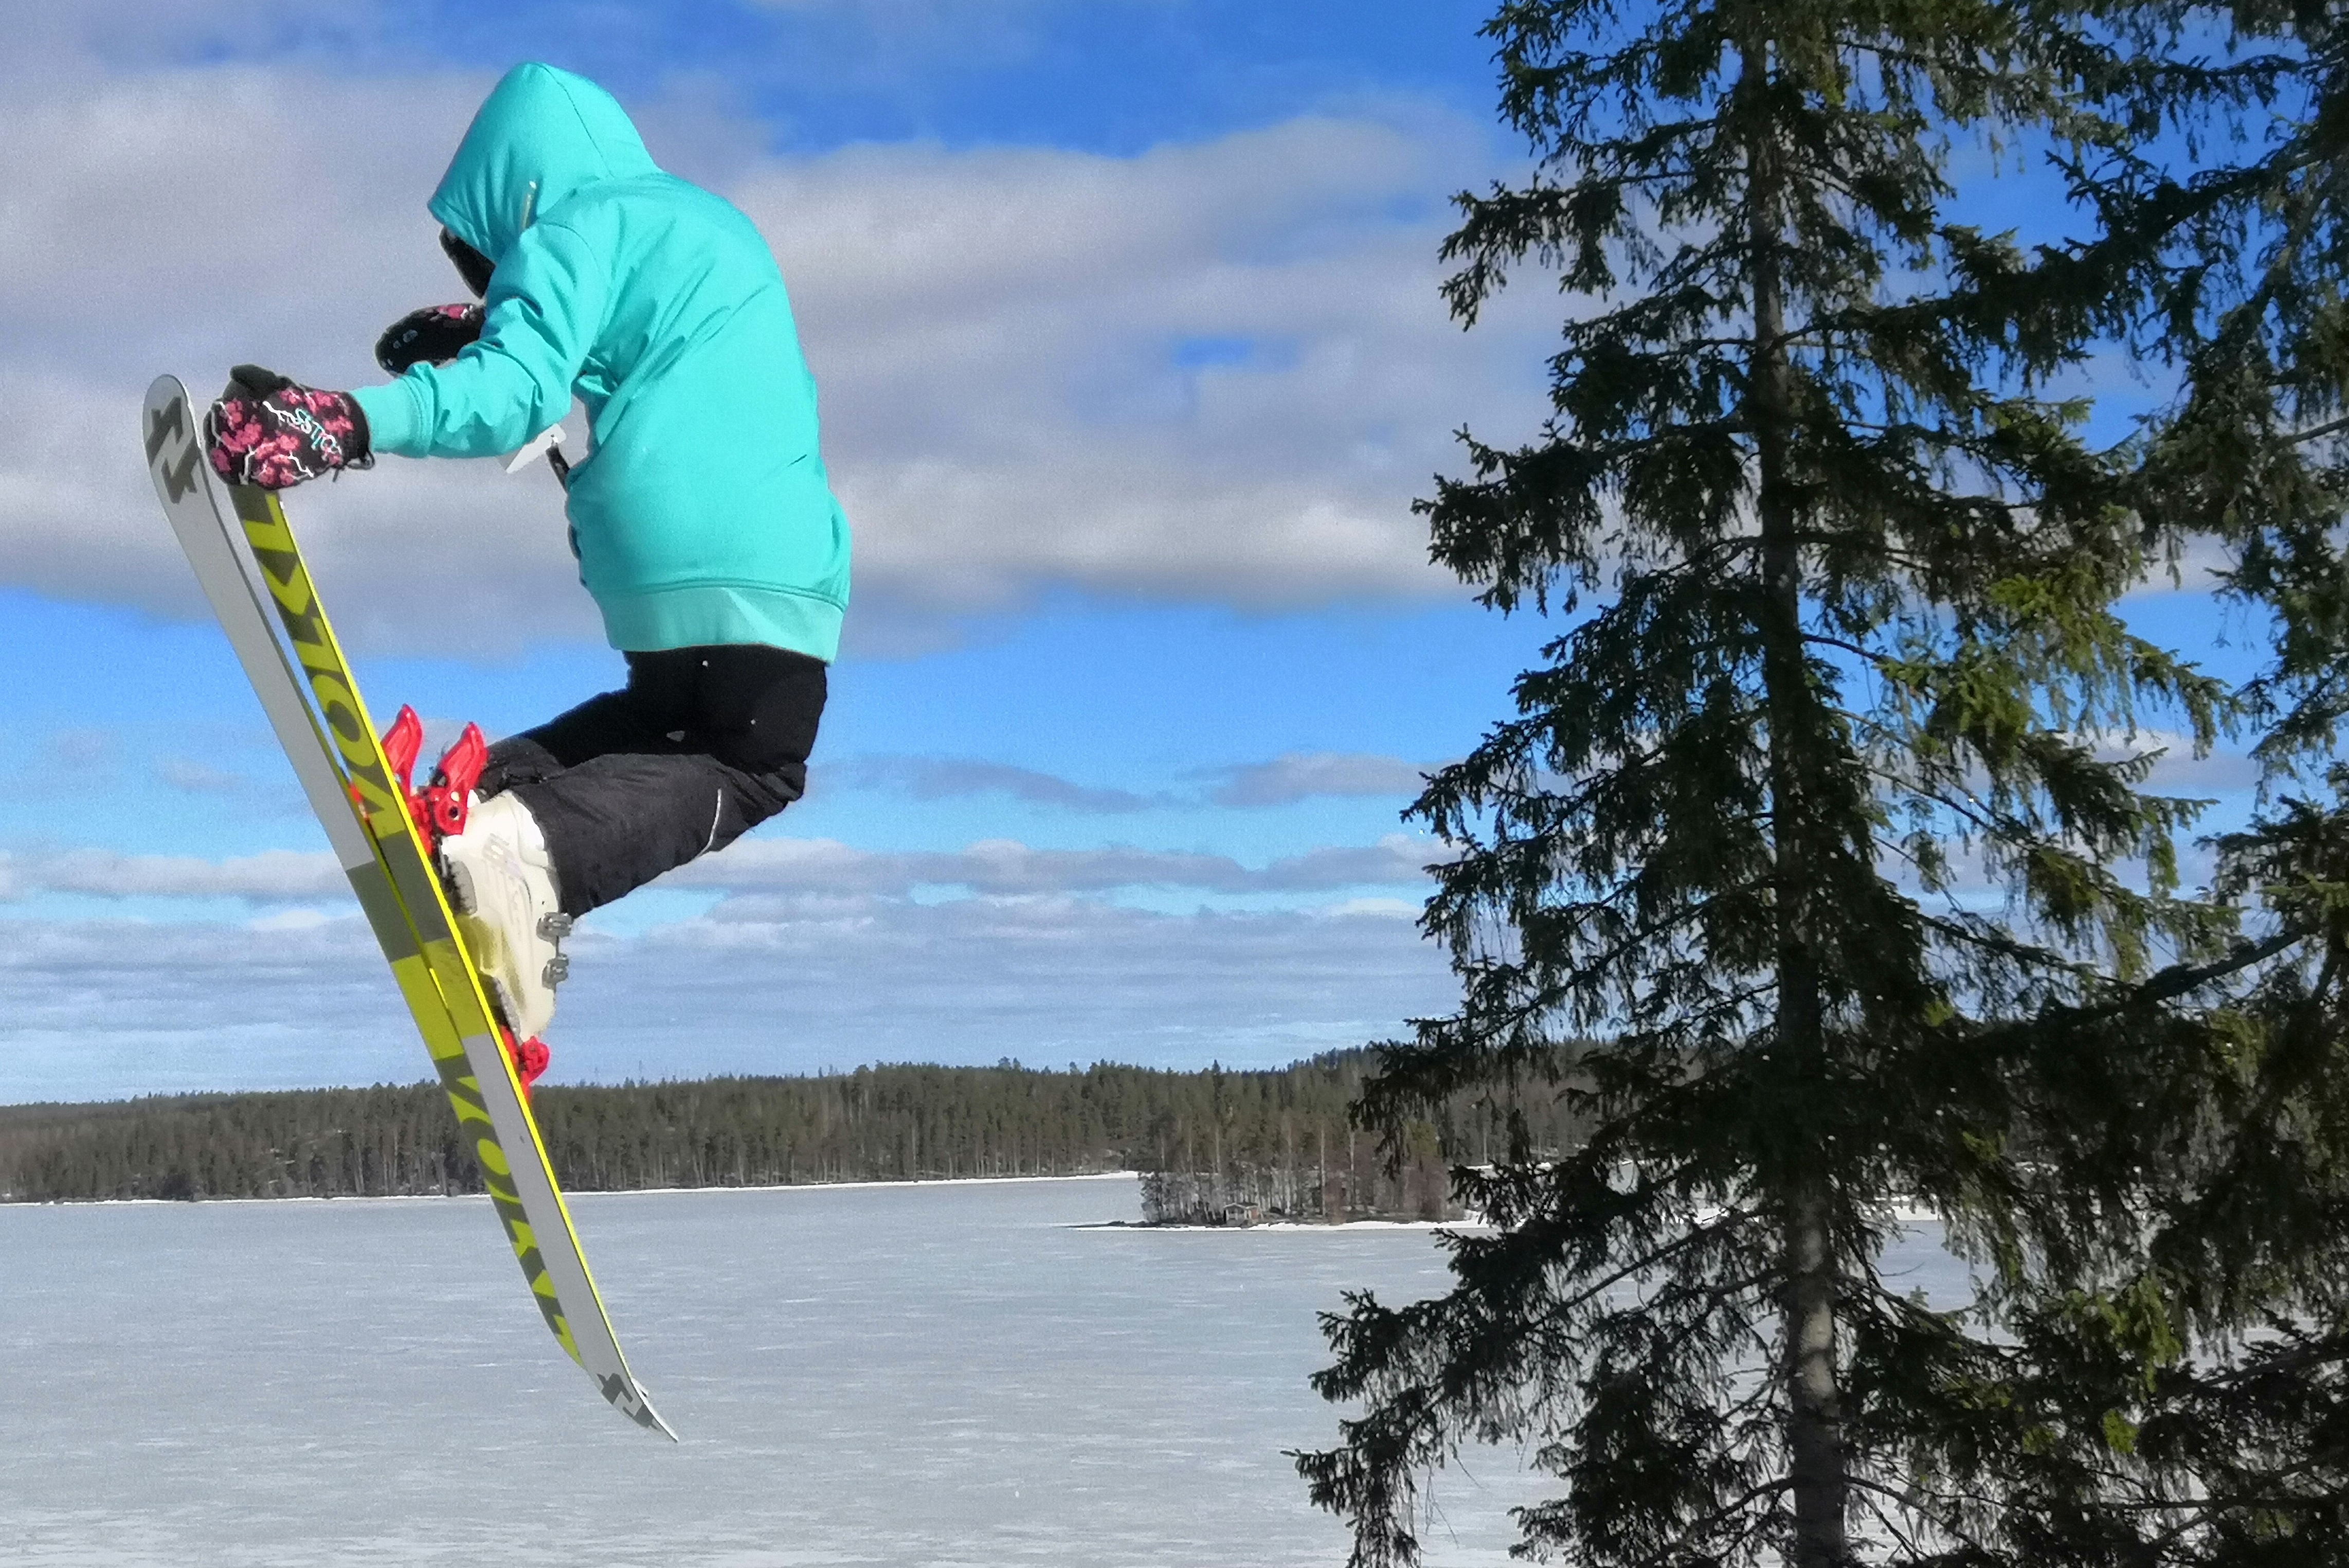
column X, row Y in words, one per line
column 450, row 795
column 401, row 744
column 530, row 1057
column 440, row 807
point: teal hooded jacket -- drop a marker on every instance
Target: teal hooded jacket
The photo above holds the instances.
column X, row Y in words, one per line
column 702, row 513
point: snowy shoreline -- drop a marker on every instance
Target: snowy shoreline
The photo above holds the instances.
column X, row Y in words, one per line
column 1289, row 1227
column 573, row 1197
column 1901, row 1214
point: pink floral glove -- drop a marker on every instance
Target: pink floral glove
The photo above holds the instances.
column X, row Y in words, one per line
column 268, row 430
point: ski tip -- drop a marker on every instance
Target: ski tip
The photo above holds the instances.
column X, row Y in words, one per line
column 650, row 1421
column 629, row 1398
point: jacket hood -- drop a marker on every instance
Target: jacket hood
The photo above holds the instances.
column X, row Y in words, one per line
column 541, row 135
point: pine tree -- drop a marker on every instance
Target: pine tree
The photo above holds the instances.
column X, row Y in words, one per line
column 2172, row 1384
column 1819, row 816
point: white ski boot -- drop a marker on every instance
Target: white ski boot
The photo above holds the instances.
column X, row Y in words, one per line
column 502, row 884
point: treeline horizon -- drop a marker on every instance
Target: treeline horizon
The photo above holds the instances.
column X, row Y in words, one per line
column 1286, row 1131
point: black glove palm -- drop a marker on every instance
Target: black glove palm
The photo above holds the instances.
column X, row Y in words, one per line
column 432, row 335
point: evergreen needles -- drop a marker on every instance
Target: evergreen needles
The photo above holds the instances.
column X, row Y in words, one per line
column 1827, row 817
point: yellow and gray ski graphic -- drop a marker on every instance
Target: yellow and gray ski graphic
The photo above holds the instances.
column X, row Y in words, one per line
column 251, row 572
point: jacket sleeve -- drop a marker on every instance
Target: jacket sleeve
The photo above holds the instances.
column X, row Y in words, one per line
column 545, row 310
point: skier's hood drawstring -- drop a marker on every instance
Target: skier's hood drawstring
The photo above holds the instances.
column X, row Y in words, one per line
column 541, row 135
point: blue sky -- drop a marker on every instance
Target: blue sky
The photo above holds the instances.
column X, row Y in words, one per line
column 1125, row 318
column 1131, row 361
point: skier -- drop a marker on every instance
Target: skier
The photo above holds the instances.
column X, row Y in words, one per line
column 703, row 522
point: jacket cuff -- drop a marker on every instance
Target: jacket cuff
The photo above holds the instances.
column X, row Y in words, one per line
column 394, row 420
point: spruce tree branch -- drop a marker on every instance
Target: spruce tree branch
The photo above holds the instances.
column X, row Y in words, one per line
column 1674, row 1553
column 1900, row 1499
column 1868, row 655
column 1732, row 1005
column 2179, row 980
column 1636, row 940
column 2331, row 427
column 2021, row 955
column 1987, row 820
column 2164, row 985
column 1890, row 1520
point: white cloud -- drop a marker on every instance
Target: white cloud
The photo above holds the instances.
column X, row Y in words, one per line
column 945, row 778
column 186, row 220
column 1304, row 776
column 274, row 876
column 106, row 1008
column 1374, row 909
column 1005, row 869
column 1286, row 779
column 2177, row 771
column 797, row 867
column 1002, row 337
column 1050, row 980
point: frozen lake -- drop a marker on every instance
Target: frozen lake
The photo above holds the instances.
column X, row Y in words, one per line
column 901, row 1376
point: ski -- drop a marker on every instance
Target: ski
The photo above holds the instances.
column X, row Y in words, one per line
column 251, row 569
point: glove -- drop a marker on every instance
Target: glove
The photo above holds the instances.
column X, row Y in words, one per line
column 434, row 336
column 269, row 431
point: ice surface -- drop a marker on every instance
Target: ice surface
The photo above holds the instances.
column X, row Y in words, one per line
column 916, row 1377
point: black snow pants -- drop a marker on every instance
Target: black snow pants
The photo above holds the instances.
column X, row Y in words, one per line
column 702, row 745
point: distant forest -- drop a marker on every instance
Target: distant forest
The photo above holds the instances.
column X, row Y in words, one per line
column 1212, row 1145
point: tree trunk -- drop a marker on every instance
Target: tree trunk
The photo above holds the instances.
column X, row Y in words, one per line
column 1815, row 1437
